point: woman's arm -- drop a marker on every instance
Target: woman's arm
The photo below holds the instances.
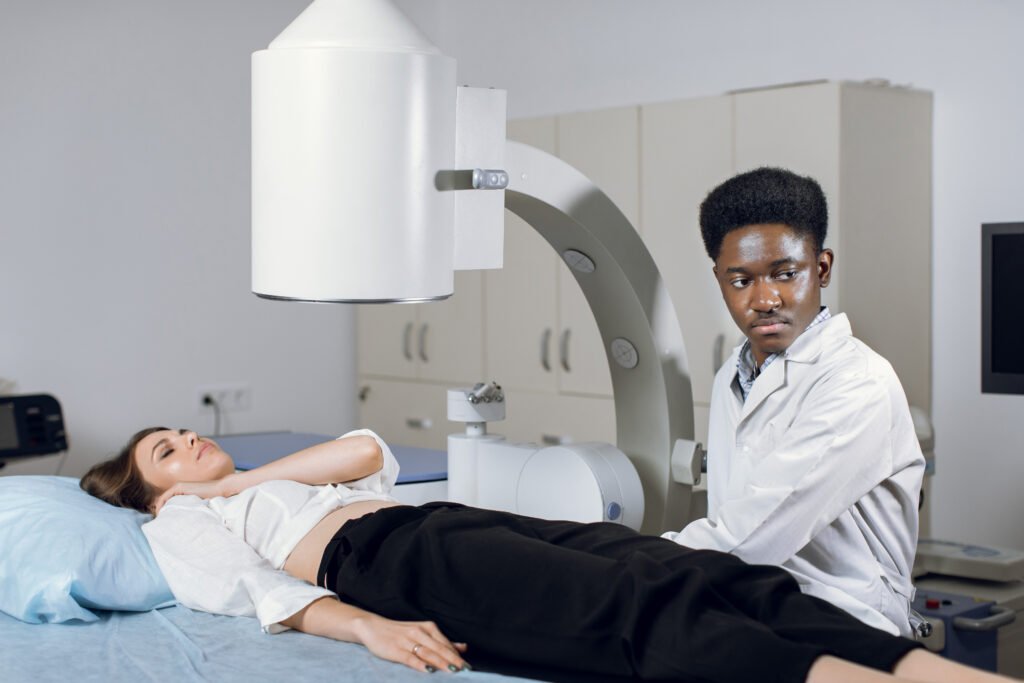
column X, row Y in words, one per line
column 356, row 455
column 417, row 644
column 345, row 459
column 210, row 569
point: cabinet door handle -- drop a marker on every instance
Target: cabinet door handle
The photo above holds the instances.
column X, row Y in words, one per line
column 545, row 342
column 364, row 393
column 422, row 344
column 716, row 353
column 407, row 341
column 563, row 350
column 419, row 422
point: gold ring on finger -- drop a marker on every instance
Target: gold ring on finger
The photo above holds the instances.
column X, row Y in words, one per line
column 415, row 649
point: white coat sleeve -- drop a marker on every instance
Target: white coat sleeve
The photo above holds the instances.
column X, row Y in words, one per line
column 210, row 569
column 834, row 453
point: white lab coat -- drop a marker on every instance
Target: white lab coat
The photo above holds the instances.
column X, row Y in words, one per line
column 818, row 471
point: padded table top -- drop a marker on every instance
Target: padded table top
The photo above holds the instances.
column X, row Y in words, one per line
column 252, row 450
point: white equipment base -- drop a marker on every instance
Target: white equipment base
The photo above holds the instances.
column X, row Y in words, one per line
column 587, row 482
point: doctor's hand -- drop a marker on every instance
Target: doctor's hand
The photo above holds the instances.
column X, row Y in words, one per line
column 203, row 489
column 419, row 645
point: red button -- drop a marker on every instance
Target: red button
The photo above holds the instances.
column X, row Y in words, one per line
column 932, row 603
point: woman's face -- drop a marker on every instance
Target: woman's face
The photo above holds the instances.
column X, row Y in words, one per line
column 169, row 456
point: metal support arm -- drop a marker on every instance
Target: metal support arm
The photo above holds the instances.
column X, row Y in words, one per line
column 638, row 324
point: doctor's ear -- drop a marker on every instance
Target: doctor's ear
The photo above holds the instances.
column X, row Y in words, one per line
column 825, row 260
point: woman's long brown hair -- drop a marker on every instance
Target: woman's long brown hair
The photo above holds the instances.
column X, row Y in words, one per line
column 118, row 481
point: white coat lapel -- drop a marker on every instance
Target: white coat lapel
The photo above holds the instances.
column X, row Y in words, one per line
column 805, row 349
column 771, row 380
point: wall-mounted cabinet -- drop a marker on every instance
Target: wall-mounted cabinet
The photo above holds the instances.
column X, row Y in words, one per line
column 409, row 354
column 687, row 150
column 435, row 341
column 528, row 326
column 405, row 412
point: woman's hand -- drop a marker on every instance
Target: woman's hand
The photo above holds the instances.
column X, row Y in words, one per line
column 203, row 489
column 419, row 645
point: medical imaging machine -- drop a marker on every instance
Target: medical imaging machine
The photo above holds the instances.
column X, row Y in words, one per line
column 375, row 177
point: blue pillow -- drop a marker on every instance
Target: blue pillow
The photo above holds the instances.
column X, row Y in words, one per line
column 63, row 553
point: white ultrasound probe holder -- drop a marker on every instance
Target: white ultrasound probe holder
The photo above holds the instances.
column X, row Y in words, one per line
column 585, row 482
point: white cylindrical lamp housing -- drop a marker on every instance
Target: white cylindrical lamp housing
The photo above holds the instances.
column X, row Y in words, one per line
column 353, row 116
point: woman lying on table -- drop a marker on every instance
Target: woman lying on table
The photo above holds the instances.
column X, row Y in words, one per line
column 427, row 586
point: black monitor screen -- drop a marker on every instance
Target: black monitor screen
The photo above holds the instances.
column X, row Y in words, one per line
column 8, row 427
column 1002, row 308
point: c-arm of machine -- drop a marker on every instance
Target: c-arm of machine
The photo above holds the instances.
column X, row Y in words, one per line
column 643, row 343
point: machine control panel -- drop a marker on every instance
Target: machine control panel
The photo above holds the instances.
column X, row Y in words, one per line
column 31, row 425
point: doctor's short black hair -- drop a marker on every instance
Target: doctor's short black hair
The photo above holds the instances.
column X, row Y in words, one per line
column 764, row 195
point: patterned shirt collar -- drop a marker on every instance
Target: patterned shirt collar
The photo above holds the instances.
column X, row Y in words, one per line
column 746, row 367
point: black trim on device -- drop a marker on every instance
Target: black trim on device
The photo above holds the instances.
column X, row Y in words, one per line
column 1002, row 308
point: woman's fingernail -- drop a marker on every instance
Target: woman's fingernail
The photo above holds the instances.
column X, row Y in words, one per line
column 467, row 667
column 453, row 668
column 431, row 669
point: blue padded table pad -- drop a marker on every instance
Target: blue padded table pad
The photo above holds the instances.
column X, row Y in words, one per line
column 252, row 450
column 180, row 645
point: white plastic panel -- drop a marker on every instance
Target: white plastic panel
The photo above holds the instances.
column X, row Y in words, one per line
column 346, row 148
column 479, row 143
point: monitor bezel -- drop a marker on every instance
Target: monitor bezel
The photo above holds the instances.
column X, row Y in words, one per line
column 994, row 382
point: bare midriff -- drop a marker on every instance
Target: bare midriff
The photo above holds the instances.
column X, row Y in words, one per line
column 304, row 560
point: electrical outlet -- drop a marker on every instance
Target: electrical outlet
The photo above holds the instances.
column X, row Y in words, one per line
column 230, row 397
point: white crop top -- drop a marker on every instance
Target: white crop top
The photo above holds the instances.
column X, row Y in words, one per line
column 225, row 555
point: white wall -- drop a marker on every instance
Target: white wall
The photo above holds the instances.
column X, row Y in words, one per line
column 571, row 55
column 124, row 225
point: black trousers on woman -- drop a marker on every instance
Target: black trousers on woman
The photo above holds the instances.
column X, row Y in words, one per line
column 596, row 598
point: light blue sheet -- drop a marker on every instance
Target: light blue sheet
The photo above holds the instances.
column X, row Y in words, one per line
column 180, row 645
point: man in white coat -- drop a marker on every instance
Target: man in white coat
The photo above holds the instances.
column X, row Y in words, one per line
column 813, row 462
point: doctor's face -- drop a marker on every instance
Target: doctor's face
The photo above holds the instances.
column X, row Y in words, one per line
column 771, row 278
column 169, row 456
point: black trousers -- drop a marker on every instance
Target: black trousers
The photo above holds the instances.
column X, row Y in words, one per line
column 597, row 598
